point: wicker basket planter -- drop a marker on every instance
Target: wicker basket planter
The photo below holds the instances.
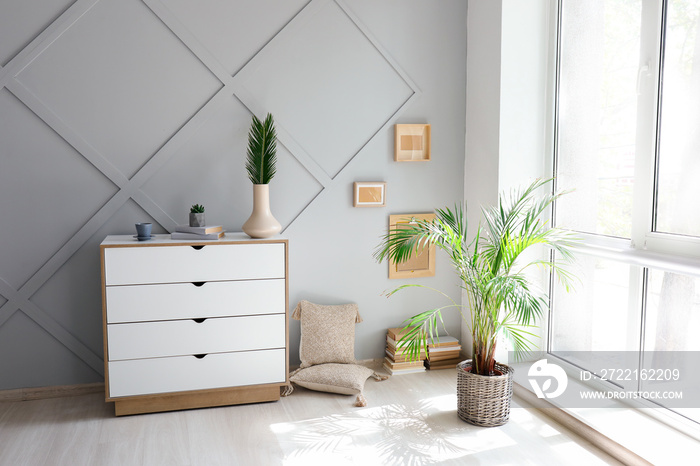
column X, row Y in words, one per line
column 484, row 400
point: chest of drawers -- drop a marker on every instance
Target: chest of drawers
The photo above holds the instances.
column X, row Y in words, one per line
column 192, row 324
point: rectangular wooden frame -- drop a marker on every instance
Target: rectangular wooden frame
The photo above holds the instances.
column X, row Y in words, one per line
column 412, row 143
column 416, row 266
column 365, row 190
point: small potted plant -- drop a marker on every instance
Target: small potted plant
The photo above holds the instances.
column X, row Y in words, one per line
column 197, row 216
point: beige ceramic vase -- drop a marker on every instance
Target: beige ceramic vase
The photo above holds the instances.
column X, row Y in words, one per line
column 261, row 223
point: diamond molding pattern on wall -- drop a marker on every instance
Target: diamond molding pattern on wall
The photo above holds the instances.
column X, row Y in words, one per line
column 350, row 86
column 226, row 35
column 123, row 91
column 47, row 164
column 16, row 31
column 116, row 88
column 196, row 166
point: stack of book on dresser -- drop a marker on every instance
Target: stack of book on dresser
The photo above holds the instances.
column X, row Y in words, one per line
column 443, row 353
column 187, row 232
column 397, row 360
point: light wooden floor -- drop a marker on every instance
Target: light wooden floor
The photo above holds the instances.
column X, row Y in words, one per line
column 410, row 420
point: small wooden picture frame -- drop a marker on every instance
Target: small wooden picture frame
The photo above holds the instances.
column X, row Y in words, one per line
column 369, row 194
column 418, row 265
column 412, row 143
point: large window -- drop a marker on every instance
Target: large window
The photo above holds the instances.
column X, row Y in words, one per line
column 628, row 146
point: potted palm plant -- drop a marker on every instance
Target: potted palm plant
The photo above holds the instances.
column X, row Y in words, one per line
column 501, row 298
column 261, row 166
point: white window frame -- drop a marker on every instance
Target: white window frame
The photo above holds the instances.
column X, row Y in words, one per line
column 645, row 249
column 671, row 252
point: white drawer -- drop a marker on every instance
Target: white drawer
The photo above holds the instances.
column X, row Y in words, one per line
column 172, row 264
column 164, row 375
column 187, row 337
column 139, row 303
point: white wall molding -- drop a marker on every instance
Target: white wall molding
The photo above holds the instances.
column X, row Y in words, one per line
column 199, row 158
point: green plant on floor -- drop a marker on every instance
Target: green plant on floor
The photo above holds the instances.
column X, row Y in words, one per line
column 492, row 267
column 197, row 209
column 262, row 150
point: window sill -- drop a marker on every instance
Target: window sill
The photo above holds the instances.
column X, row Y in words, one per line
column 630, row 434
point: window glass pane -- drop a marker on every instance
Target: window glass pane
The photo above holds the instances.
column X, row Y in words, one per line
column 598, row 314
column 672, row 326
column 673, row 312
column 678, row 186
column 600, row 41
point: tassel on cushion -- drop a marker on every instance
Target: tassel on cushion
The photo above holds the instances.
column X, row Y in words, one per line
column 360, row 402
column 379, row 377
column 288, row 390
column 296, row 315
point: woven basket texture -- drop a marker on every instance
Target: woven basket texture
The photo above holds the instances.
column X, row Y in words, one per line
column 484, row 400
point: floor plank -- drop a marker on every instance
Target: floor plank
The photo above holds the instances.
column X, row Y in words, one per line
column 27, row 432
column 409, row 419
column 77, row 434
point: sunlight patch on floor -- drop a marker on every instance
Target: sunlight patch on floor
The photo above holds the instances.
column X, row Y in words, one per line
column 423, row 433
column 427, row 433
column 391, row 434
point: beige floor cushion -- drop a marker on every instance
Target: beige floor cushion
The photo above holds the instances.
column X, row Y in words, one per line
column 327, row 333
column 345, row 379
column 327, row 351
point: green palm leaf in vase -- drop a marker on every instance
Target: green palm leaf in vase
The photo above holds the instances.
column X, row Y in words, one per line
column 262, row 150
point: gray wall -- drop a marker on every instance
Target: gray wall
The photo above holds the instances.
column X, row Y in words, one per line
column 120, row 111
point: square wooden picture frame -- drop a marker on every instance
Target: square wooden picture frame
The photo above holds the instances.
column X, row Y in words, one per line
column 418, row 265
column 369, row 194
column 412, row 143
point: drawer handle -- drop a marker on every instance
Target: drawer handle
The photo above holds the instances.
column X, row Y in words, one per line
column 198, row 284
column 199, row 321
column 198, row 247
column 199, row 356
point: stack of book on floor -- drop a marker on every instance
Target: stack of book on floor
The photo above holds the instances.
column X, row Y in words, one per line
column 198, row 233
column 443, row 353
column 397, row 360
